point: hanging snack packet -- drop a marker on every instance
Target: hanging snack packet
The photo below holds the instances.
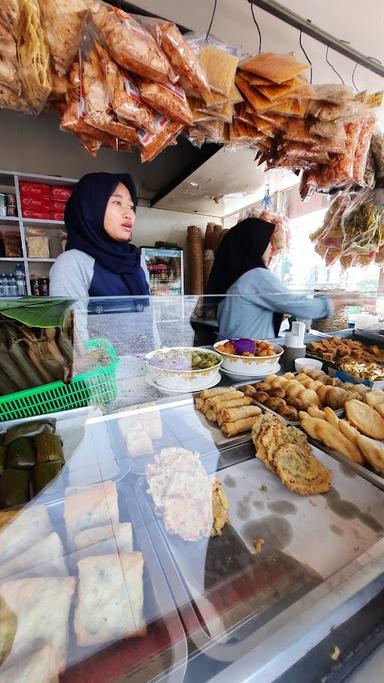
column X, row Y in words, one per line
column 223, row 113
column 9, row 75
column 130, row 44
column 275, row 67
column 295, row 87
column 124, row 94
column 345, row 111
column 185, row 63
column 243, row 132
column 332, row 92
column 329, row 129
column 72, row 119
column 168, row 99
column 362, row 149
column 9, row 100
column 33, row 56
column 213, row 99
column 128, row 105
column 63, row 24
column 152, row 145
column 214, row 131
column 302, row 151
column 378, row 152
column 257, row 101
column 97, row 111
column 220, row 67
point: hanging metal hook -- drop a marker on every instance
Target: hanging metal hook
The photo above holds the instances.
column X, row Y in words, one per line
column 306, row 56
column 257, row 26
column 332, row 67
column 353, row 77
column 211, row 22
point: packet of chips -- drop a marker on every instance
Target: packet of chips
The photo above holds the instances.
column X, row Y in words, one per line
column 97, row 111
column 182, row 58
column 167, row 99
column 152, row 145
column 277, row 68
column 33, row 56
column 130, row 44
column 124, row 94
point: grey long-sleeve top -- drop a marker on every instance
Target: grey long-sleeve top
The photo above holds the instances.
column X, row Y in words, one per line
column 252, row 300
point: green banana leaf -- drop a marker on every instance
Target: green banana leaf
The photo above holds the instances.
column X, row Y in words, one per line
column 33, row 312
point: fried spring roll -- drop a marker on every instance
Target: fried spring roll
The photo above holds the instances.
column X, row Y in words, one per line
column 211, row 415
column 199, row 403
column 233, row 414
column 237, row 403
column 239, row 426
column 216, row 402
column 210, row 393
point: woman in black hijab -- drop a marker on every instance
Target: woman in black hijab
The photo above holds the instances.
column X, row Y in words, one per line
column 250, row 300
column 99, row 259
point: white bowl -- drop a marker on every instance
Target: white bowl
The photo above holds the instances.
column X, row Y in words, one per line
column 311, row 363
column 252, row 366
column 182, row 380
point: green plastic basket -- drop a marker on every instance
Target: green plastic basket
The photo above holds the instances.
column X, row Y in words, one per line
column 91, row 388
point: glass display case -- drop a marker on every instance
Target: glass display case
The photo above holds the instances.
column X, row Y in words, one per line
column 190, row 531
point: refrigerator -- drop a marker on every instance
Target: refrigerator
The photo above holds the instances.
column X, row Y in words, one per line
column 165, row 269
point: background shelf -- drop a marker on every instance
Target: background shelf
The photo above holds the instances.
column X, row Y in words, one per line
column 9, row 182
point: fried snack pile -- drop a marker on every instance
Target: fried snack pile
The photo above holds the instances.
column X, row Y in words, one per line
column 232, row 411
column 358, row 437
column 286, row 452
column 288, row 394
column 336, row 349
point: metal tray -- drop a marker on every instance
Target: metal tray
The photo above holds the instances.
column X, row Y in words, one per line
column 235, row 591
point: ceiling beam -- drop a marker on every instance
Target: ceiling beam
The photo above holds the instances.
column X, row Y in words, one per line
column 305, row 25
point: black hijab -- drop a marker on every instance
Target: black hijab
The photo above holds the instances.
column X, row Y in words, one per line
column 84, row 220
column 241, row 249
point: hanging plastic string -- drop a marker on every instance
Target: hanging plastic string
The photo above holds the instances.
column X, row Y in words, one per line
column 353, row 77
column 306, row 56
column 332, row 67
column 256, row 24
column 211, row 22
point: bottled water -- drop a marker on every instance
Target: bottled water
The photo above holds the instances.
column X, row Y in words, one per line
column 20, row 281
column 12, row 286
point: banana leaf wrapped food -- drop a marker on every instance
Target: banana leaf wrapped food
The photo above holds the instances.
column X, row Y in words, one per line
column 21, row 454
column 44, row 473
column 3, row 453
column 48, row 448
column 29, row 429
column 36, row 343
column 14, row 487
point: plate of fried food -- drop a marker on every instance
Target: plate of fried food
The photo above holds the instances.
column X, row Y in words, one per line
column 248, row 357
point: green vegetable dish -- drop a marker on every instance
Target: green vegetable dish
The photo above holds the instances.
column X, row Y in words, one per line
column 181, row 359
